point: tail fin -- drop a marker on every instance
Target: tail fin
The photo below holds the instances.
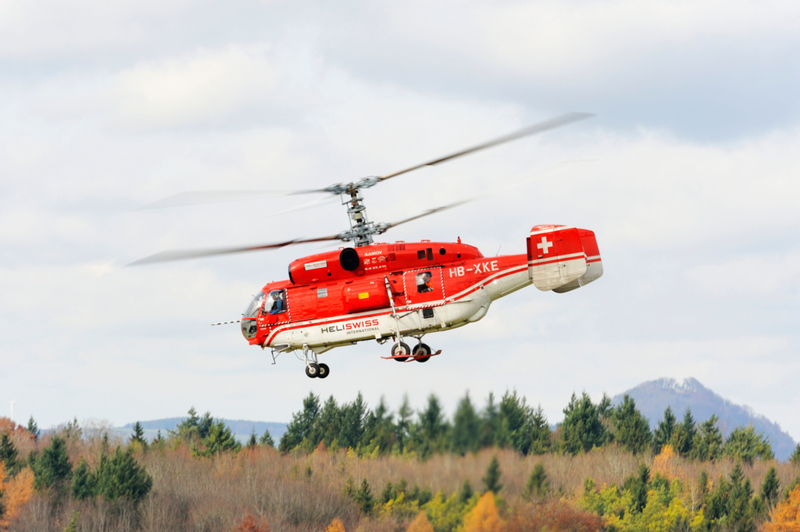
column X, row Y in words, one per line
column 562, row 258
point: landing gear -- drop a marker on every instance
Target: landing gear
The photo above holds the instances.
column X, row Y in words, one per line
column 312, row 370
column 401, row 352
column 422, row 352
column 324, row 371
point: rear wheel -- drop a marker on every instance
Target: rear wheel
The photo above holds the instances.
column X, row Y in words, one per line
column 422, row 352
column 312, row 370
column 324, row 371
column 401, row 351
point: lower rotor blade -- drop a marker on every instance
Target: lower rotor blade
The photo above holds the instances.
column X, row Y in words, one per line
column 182, row 254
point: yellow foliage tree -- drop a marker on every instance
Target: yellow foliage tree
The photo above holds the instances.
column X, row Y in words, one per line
column 665, row 463
column 484, row 517
column 335, row 526
column 785, row 517
column 17, row 491
column 420, row 524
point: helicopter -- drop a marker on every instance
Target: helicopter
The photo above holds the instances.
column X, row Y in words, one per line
column 401, row 290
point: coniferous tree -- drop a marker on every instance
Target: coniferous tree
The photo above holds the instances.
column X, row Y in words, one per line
column 73, row 522
column 431, row 428
column 537, row 486
column 638, row 486
column 492, row 478
column 465, row 436
column 218, row 439
column 252, row 442
column 631, row 428
column 582, row 429
column 739, row 516
column 770, row 489
column 515, row 428
column 708, row 442
column 663, row 433
column 8, row 452
column 353, row 416
column 84, row 483
column 379, row 430
column 540, row 432
column 33, row 429
column 466, row 492
column 327, row 426
column 363, row 498
column 405, row 423
column 52, row 469
column 795, row 458
column 158, row 441
column 684, row 434
column 266, row 439
column 120, row 477
column 388, row 493
column 746, row 444
column 301, row 424
column 138, row 435
column 491, row 423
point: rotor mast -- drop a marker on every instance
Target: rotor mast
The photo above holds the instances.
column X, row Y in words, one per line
column 361, row 229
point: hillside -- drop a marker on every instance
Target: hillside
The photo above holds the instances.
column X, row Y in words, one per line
column 241, row 428
column 653, row 397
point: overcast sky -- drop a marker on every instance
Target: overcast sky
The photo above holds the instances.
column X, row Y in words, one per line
column 691, row 186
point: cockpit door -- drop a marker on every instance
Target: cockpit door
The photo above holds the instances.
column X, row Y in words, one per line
column 276, row 308
column 424, row 287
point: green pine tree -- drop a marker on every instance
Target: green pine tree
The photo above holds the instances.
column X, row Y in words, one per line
column 8, row 453
column 73, row 522
column 219, row 439
column 491, row 423
column 638, row 486
column 632, row 430
column 363, row 498
column 405, row 424
column 492, row 478
column 663, row 433
column 301, row 425
column 708, row 443
column 120, row 477
column 582, row 428
column 432, row 429
column 84, row 483
column 266, row 439
column 684, row 435
column 466, row 493
column 770, row 489
column 795, row 458
column 515, row 423
column 388, row 493
column 746, row 444
column 537, row 486
column 541, row 436
column 252, row 443
column 466, row 428
column 52, row 469
column 33, row 429
column 138, row 435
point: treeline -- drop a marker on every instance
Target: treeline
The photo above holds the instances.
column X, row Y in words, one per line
column 512, row 423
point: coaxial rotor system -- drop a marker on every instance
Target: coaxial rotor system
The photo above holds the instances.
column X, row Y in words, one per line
column 361, row 229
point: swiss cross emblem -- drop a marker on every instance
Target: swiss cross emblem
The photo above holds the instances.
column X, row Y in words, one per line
column 544, row 245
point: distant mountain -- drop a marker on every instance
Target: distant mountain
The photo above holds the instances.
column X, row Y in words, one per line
column 239, row 427
column 653, row 397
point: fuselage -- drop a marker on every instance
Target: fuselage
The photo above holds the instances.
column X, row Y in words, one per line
column 401, row 289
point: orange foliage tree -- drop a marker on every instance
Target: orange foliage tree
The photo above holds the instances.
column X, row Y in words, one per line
column 336, row 525
column 785, row 516
column 484, row 517
column 666, row 463
column 251, row 524
column 17, row 491
column 420, row 524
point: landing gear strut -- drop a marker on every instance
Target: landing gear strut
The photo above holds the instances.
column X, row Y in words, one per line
column 313, row 368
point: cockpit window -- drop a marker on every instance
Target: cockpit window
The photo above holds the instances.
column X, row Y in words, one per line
column 424, row 282
column 276, row 302
column 255, row 306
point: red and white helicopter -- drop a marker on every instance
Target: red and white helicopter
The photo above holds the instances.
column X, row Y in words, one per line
column 382, row 291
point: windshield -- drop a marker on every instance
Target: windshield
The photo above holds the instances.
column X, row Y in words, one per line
column 255, row 306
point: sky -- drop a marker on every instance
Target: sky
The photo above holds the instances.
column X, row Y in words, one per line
column 687, row 174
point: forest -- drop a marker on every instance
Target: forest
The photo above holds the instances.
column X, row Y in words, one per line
column 348, row 467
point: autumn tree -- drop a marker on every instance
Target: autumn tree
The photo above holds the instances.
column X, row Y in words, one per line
column 484, row 517
column 785, row 517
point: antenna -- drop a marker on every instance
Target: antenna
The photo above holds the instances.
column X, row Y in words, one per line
column 12, row 409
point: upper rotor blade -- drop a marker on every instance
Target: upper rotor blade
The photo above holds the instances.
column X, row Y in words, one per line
column 205, row 197
column 181, row 254
column 531, row 130
column 427, row 213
